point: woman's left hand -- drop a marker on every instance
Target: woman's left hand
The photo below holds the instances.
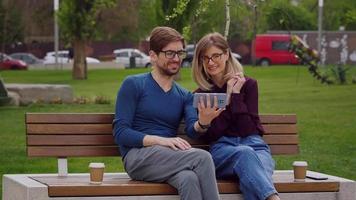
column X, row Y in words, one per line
column 236, row 82
column 208, row 112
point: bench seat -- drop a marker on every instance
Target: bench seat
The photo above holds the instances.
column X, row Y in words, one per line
column 76, row 187
column 122, row 185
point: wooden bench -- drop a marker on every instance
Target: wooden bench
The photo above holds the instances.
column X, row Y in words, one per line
column 89, row 135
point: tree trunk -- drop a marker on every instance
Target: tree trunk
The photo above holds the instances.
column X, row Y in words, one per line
column 79, row 64
column 227, row 17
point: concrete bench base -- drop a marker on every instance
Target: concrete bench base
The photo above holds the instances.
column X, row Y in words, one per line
column 21, row 187
column 42, row 93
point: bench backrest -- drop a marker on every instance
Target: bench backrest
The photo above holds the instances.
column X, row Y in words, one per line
column 89, row 134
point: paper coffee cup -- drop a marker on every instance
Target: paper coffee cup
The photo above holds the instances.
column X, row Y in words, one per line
column 96, row 172
column 300, row 170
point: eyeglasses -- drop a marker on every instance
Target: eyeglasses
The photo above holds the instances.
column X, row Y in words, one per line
column 215, row 57
column 171, row 54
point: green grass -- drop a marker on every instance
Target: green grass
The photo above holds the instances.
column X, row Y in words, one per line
column 326, row 116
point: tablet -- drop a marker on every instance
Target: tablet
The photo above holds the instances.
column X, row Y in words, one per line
column 221, row 97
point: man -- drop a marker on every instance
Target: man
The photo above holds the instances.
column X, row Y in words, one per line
column 149, row 109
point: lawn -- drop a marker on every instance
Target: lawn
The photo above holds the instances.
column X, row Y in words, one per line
column 326, row 116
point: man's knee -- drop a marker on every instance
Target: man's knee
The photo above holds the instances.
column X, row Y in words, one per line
column 187, row 177
column 202, row 155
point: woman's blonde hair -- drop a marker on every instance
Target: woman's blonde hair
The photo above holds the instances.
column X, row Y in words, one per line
column 200, row 76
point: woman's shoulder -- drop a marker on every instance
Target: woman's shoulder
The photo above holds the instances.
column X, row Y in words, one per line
column 250, row 80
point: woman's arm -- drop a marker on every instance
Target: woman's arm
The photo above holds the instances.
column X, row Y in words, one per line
column 244, row 109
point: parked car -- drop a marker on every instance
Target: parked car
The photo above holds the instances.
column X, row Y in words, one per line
column 237, row 56
column 63, row 57
column 269, row 49
column 122, row 56
column 187, row 61
column 6, row 62
column 28, row 58
column 190, row 48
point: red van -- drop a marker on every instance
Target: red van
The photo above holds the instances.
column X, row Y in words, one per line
column 270, row 49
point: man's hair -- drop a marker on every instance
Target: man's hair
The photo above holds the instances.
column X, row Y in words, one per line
column 200, row 76
column 161, row 36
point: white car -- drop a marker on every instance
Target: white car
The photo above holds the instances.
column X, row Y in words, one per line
column 63, row 57
column 122, row 56
column 237, row 56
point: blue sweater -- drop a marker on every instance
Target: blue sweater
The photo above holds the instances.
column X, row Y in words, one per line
column 143, row 108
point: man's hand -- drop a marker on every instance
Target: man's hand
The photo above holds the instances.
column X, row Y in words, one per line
column 175, row 143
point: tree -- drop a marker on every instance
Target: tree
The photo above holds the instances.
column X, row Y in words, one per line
column 227, row 18
column 77, row 21
column 11, row 28
column 350, row 19
column 120, row 23
column 335, row 13
column 284, row 16
column 231, row 18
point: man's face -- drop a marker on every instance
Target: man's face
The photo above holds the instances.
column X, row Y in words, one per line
column 164, row 61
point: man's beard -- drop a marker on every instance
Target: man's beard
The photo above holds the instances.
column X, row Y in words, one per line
column 164, row 70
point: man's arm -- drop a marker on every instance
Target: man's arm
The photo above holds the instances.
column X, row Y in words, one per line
column 126, row 103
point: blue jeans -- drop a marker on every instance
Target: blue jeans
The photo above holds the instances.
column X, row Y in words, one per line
column 247, row 159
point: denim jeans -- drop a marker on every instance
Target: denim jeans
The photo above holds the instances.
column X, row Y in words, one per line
column 247, row 159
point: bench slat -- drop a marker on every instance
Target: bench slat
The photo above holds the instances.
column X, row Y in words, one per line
column 69, row 129
column 73, row 118
column 101, row 140
column 280, row 128
column 164, row 189
column 69, row 118
column 92, row 151
column 269, row 139
column 107, row 129
column 278, row 118
column 114, row 185
column 72, row 151
column 69, row 140
column 284, row 149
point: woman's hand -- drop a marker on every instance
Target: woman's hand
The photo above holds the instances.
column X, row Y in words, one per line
column 208, row 112
column 235, row 83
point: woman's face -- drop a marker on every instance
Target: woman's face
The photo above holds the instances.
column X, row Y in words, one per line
column 214, row 61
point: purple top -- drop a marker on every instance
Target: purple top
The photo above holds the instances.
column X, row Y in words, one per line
column 240, row 117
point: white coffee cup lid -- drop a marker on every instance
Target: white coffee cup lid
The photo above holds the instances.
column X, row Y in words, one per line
column 96, row 165
column 300, row 163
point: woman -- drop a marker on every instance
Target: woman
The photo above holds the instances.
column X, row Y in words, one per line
column 237, row 147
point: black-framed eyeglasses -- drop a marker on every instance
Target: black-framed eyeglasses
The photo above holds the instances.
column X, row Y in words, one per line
column 170, row 54
column 215, row 58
